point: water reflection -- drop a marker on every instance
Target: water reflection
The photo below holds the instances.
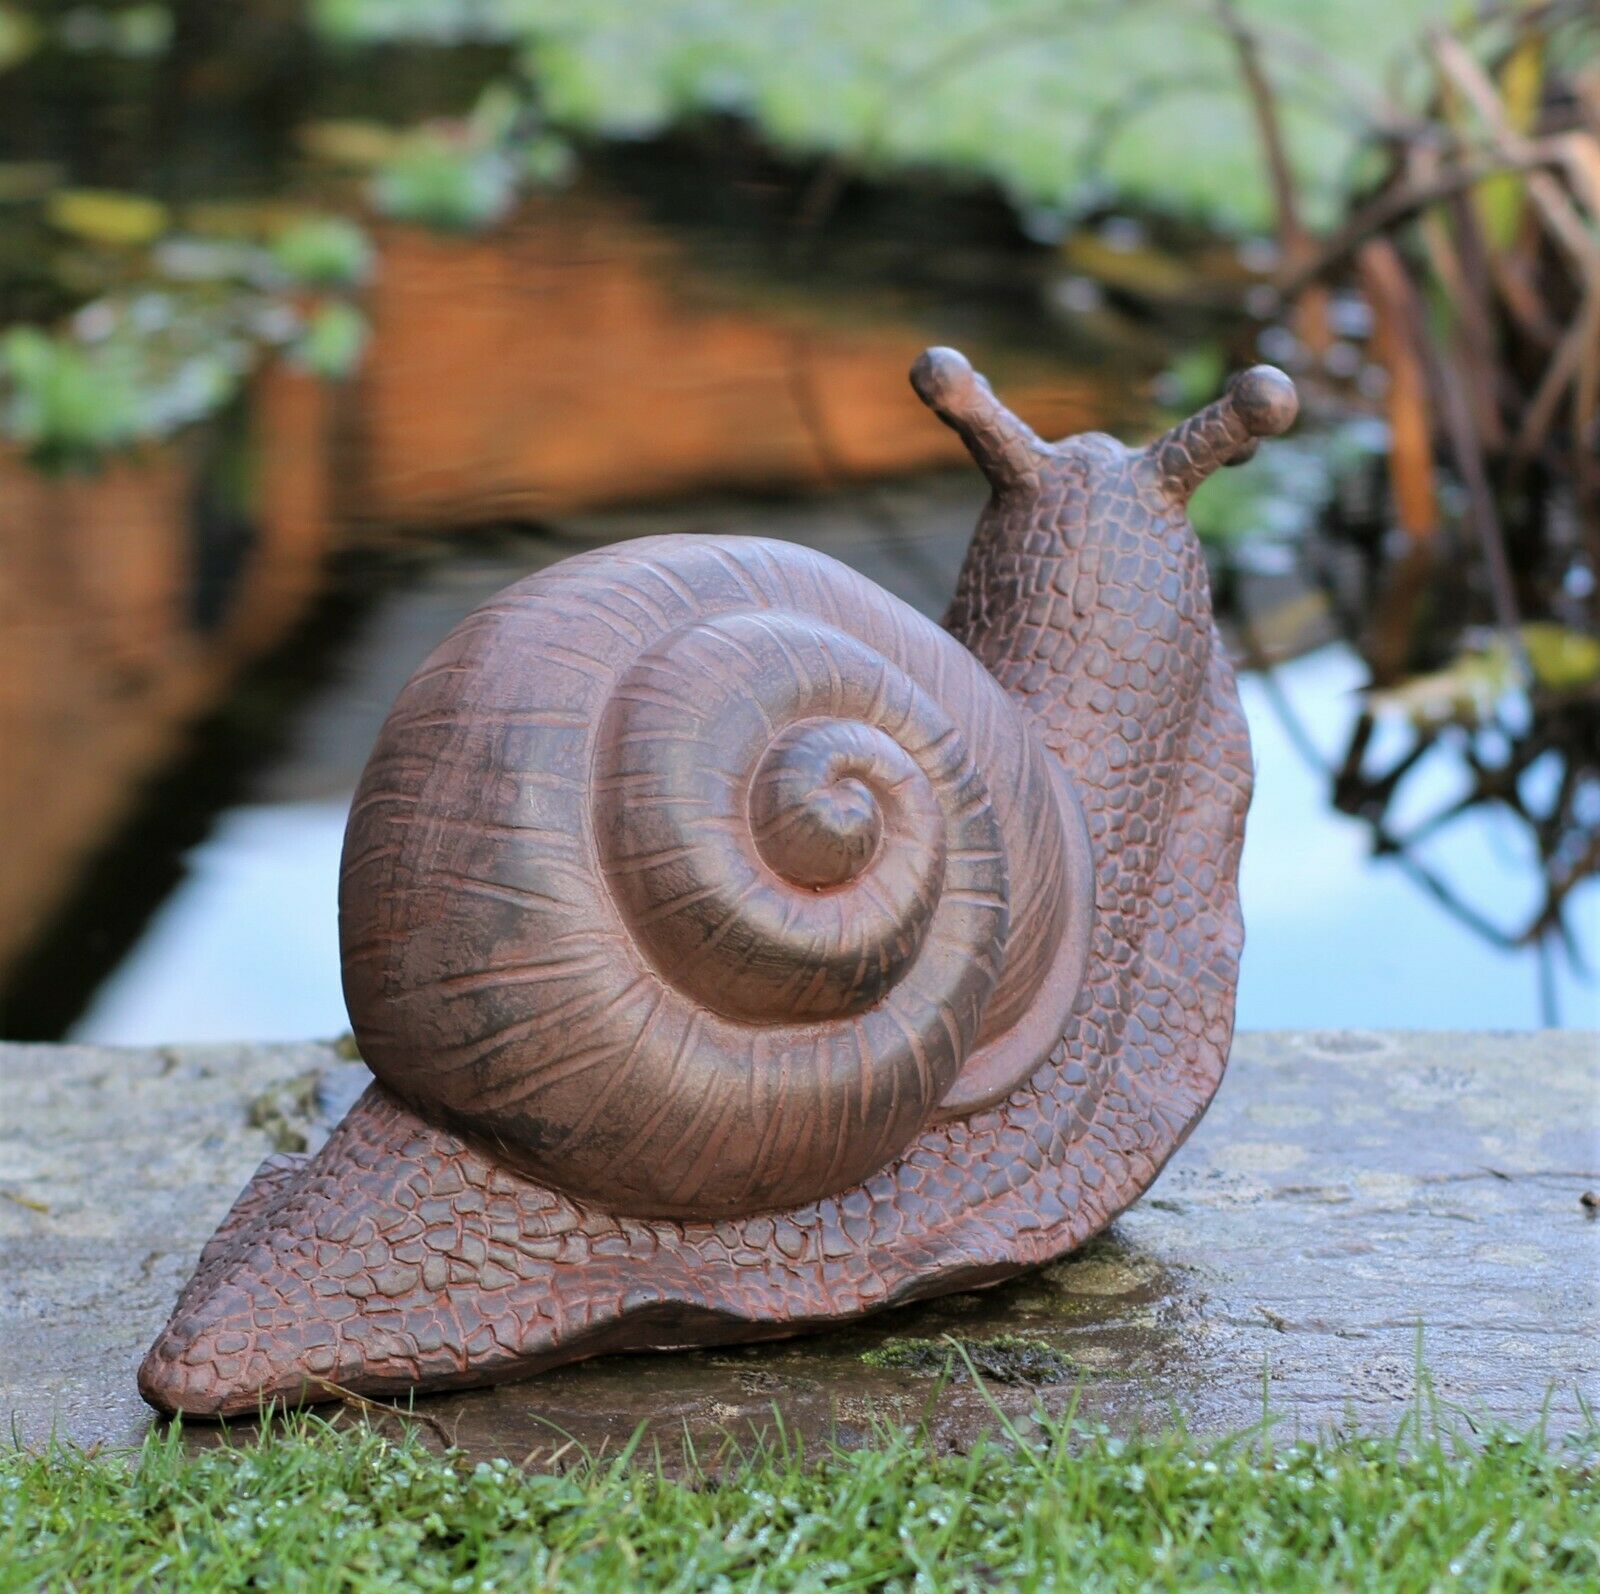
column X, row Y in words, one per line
column 245, row 946
column 1337, row 936
column 653, row 332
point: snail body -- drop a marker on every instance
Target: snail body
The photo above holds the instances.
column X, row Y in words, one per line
column 735, row 950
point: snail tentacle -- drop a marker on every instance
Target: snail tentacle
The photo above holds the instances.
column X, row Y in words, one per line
column 1258, row 403
column 1005, row 448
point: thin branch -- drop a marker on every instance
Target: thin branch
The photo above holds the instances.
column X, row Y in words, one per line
column 1292, row 236
column 1385, row 116
column 1481, row 512
column 1402, row 201
column 1559, row 213
column 370, row 1408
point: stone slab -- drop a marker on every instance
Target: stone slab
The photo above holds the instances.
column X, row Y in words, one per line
column 1350, row 1196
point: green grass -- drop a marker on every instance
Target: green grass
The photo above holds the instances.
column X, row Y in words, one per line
column 309, row 1507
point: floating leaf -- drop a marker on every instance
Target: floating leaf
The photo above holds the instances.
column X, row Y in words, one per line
column 323, row 251
column 20, row 36
column 66, row 404
column 333, row 340
column 1464, row 692
column 1140, row 269
column 1562, row 660
column 103, row 217
column 548, row 161
column 351, row 142
column 496, row 114
column 444, row 183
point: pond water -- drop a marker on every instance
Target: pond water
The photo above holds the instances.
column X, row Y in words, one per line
column 1337, row 936
column 244, row 944
column 187, row 695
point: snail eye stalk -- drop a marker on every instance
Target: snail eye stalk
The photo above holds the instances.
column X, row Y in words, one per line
column 1260, row 402
column 1006, row 449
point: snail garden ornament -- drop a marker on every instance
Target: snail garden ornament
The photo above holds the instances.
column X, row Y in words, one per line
column 736, row 951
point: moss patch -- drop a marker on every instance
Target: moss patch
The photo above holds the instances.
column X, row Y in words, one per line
column 285, row 1111
column 1005, row 1359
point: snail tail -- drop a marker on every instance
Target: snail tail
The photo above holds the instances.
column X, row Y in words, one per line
column 1006, row 449
column 1260, row 402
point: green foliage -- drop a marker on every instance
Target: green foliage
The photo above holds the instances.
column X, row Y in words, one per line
column 467, row 174
column 1194, row 378
column 444, row 182
column 357, row 22
column 547, row 160
column 308, row 1507
column 145, row 360
column 323, row 252
column 1275, row 498
column 1059, row 104
column 66, row 404
column 127, row 370
column 1062, row 104
column 332, row 341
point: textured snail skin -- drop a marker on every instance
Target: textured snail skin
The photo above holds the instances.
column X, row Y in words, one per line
column 418, row 1250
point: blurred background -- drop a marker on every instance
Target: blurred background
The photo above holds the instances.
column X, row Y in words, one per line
column 321, row 320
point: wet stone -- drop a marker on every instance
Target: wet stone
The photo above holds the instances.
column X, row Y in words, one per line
column 1348, row 1195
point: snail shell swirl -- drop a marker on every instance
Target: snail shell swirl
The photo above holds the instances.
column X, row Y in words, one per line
column 699, row 876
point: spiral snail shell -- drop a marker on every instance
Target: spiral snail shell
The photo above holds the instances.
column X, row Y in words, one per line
column 734, row 948
column 690, row 874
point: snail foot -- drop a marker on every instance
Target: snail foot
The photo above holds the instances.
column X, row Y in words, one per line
column 399, row 1258
column 394, row 1257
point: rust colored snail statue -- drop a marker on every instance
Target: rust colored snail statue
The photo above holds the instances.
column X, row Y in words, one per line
column 736, row 951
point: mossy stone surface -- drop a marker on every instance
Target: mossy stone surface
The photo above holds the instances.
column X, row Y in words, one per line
column 1347, row 1191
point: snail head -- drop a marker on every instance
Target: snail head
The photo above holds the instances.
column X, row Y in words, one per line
column 1259, row 402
